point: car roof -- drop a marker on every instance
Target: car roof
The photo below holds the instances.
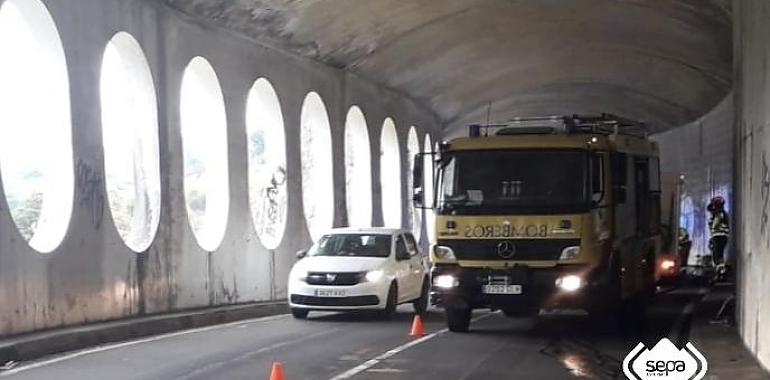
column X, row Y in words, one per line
column 368, row 230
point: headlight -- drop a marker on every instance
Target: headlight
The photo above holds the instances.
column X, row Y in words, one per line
column 569, row 253
column 444, row 253
column 446, row 281
column 375, row 275
column 569, row 283
column 298, row 275
column 667, row 264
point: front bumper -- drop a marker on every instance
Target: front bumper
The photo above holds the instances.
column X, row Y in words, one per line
column 539, row 289
column 363, row 296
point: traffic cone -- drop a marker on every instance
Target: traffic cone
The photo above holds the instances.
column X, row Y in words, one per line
column 417, row 328
column 277, row 372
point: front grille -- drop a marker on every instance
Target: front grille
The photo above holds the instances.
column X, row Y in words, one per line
column 335, row 301
column 334, row 278
column 525, row 249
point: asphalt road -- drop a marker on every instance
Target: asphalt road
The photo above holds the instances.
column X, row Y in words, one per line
column 351, row 346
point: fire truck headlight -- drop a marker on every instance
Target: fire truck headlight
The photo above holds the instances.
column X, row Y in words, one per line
column 444, row 253
column 569, row 283
column 446, row 281
column 667, row 264
column 569, row 253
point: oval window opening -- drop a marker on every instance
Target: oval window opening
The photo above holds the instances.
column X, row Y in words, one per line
column 428, row 183
column 358, row 169
column 37, row 172
column 130, row 134
column 390, row 175
column 316, row 150
column 267, row 163
column 204, row 145
column 412, row 148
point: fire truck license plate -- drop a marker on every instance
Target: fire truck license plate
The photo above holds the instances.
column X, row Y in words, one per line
column 502, row 289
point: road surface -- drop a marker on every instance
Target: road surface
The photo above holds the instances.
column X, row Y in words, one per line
column 350, row 346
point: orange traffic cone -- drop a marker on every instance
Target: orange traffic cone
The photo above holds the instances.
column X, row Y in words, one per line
column 277, row 372
column 417, row 328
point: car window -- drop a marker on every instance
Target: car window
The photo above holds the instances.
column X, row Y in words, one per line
column 402, row 253
column 411, row 245
column 352, row 245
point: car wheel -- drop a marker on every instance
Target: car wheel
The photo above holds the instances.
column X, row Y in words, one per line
column 458, row 320
column 392, row 303
column 299, row 313
column 421, row 304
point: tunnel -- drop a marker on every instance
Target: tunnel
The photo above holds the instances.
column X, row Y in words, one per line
column 163, row 161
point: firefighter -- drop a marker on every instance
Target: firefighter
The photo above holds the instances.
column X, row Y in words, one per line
column 684, row 244
column 719, row 226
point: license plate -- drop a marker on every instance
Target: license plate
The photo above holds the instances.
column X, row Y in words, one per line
column 330, row 292
column 502, row 289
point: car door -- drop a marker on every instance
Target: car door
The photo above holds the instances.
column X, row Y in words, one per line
column 417, row 264
column 404, row 270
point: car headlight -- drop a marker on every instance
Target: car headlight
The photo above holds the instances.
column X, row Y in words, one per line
column 446, row 281
column 375, row 275
column 569, row 283
column 444, row 253
column 299, row 275
column 569, row 253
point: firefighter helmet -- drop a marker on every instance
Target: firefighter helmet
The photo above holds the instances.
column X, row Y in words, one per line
column 716, row 203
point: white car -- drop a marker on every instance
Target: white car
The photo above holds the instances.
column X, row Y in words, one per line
column 359, row 269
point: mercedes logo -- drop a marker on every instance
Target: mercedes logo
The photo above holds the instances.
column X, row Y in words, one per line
column 330, row 277
column 506, row 249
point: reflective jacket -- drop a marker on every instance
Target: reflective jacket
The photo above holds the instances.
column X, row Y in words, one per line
column 719, row 223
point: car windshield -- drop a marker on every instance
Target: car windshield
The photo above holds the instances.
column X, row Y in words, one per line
column 352, row 245
column 514, row 181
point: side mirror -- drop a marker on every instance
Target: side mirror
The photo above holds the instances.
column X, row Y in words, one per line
column 418, row 199
column 403, row 255
column 301, row 254
column 418, row 170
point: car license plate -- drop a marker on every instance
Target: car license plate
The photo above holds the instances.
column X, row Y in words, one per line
column 330, row 292
column 502, row 289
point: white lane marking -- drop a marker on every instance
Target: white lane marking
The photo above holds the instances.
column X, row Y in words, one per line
column 386, row 370
column 373, row 362
column 108, row 347
column 214, row 366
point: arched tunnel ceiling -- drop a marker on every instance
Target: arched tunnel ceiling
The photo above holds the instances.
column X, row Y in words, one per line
column 666, row 62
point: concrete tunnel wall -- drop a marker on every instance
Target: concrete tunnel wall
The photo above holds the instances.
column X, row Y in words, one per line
column 93, row 275
column 752, row 92
column 702, row 152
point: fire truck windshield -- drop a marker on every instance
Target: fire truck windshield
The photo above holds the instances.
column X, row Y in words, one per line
column 520, row 181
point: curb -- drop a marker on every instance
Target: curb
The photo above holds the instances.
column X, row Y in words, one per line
column 713, row 332
column 36, row 345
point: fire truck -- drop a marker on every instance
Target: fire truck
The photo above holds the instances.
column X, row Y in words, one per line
column 543, row 213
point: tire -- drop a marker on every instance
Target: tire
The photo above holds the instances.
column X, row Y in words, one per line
column 458, row 320
column 299, row 313
column 421, row 304
column 392, row 303
column 606, row 305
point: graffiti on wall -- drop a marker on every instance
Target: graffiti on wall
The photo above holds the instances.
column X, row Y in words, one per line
column 89, row 189
column 765, row 197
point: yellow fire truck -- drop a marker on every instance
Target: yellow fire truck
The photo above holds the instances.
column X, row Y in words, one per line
column 543, row 213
